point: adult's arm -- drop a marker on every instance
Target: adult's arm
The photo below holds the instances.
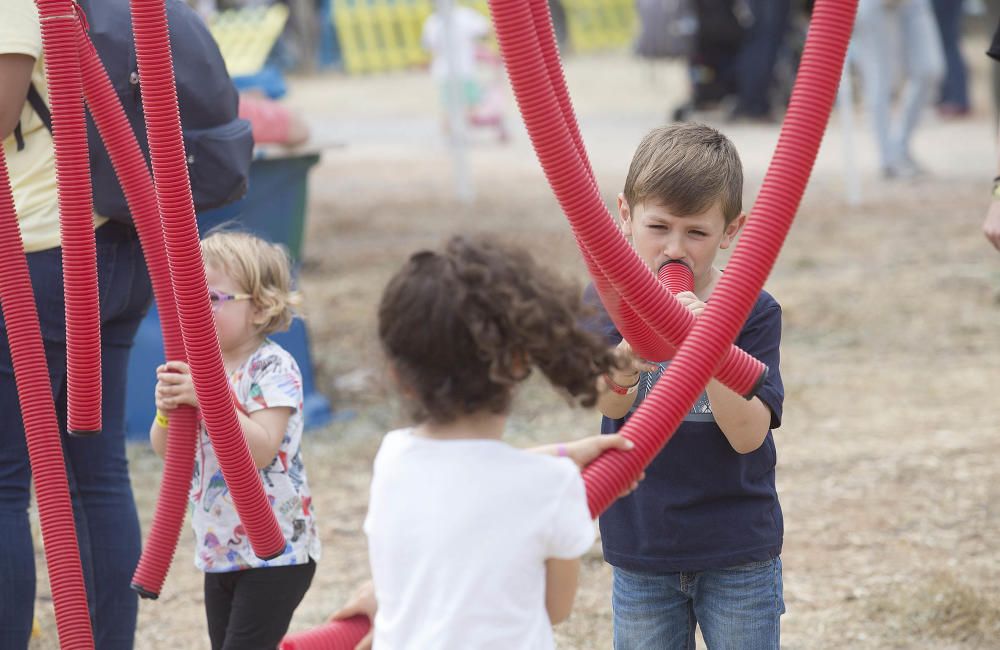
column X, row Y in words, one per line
column 15, row 77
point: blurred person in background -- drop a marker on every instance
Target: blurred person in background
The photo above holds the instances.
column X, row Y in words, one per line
column 713, row 62
column 954, row 98
column 891, row 34
column 992, row 18
column 991, row 226
column 765, row 36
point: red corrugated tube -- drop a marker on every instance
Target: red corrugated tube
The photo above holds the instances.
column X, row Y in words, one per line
column 812, row 99
column 656, row 419
column 76, row 217
column 173, row 191
column 676, row 276
column 34, row 391
column 342, row 635
column 653, row 337
column 137, row 184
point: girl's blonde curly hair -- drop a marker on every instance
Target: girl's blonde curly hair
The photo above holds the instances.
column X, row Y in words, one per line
column 262, row 269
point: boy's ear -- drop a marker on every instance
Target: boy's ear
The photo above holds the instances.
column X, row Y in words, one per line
column 625, row 215
column 733, row 229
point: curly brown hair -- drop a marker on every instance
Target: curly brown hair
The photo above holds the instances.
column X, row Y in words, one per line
column 463, row 326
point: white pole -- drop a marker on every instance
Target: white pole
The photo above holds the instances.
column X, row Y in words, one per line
column 455, row 103
column 845, row 106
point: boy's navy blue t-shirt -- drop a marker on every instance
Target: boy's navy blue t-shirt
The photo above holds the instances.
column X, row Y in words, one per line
column 702, row 505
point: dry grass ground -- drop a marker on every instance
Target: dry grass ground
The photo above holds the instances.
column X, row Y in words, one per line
column 888, row 454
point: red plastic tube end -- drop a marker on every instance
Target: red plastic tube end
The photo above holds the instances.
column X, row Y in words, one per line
column 143, row 592
column 676, row 276
column 84, row 434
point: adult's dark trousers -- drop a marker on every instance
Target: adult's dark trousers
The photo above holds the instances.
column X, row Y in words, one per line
column 955, row 86
column 759, row 54
column 107, row 525
column 251, row 609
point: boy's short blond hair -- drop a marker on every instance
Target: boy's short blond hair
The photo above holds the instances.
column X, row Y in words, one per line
column 262, row 269
column 686, row 167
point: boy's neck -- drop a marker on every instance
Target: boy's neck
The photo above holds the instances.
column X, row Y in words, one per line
column 703, row 287
column 476, row 426
column 235, row 357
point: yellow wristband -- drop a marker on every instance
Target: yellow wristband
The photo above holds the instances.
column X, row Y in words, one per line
column 162, row 419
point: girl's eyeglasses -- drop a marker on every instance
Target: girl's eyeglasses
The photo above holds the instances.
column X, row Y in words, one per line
column 219, row 297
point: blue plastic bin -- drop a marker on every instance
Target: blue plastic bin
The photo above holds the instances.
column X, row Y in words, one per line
column 274, row 208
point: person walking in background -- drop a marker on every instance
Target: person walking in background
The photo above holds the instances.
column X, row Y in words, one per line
column 991, row 226
column 714, row 58
column 954, row 98
column 457, row 71
column 891, row 34
column 764, row 39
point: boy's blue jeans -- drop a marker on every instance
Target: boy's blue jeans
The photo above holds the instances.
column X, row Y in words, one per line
column 738, row 608
column 107, row 526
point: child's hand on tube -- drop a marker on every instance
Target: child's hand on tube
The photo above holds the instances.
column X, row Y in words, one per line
column 691, row 302
column 174, row 386
column 631, row 366
column 584, row 452
column 362, row 602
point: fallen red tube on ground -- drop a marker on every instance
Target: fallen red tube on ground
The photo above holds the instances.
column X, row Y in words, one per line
column 706, row 344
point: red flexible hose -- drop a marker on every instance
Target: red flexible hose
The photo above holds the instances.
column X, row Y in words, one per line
column 339, row 635
column 173, row 192
column 676, row 276
column 653, row 424
column 34, row 391
column 76, row 216
column 137, row 183
column 654, row 338
column 648, row 343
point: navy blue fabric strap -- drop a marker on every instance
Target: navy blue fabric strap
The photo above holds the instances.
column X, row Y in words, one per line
column 37, row 103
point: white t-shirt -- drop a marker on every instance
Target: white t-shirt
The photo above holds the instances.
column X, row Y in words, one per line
column 469, row 26
column 458, row 534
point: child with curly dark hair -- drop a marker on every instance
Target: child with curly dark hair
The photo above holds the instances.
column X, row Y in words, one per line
column 474, row 543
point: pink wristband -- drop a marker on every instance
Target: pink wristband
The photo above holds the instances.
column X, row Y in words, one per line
column 561, row 450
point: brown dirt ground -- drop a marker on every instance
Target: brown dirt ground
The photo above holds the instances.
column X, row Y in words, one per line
column 888, row 470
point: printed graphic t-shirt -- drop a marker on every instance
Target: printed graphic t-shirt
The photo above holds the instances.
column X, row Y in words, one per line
column 269, row 378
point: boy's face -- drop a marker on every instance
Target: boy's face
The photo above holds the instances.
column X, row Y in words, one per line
column 658, row 236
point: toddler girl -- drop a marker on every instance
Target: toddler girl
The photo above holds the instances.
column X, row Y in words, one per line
column 248, row 601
